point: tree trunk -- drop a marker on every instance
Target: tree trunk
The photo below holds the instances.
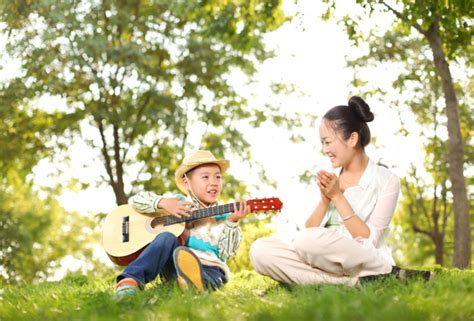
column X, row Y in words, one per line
column 116, row 181
column 462, row 231
column 439, row 250
column 120, row 196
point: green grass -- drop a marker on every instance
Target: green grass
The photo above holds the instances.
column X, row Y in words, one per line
column 450, row 296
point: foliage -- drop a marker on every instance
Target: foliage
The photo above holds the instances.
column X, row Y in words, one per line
column 247, row 297
column 426, row 222
column 24, row 130
column 455, row 21
column 252, row 230
column 146, row 75
column 36, row 233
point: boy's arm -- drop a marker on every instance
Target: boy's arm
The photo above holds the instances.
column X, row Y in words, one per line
column 145, row 202
column 229, row 240
column 149, row 202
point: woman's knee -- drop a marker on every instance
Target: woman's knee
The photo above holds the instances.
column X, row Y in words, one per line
column 259, row 252
column 307, row 241
column 257, row 248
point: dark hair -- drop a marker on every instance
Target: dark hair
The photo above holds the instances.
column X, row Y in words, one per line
column 352, row 118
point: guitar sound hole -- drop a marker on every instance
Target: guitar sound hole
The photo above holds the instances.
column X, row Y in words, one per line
column 157, row 223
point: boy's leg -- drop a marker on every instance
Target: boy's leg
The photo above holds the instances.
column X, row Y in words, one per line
column 214, row 277
column 157, row 256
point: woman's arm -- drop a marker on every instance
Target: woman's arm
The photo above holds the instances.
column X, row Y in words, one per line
column 353, row 223
column 384, row 209
column 379, row 219
column 330, row 188
column 317, row 216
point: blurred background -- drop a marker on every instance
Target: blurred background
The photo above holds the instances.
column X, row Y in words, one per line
column 102, row 99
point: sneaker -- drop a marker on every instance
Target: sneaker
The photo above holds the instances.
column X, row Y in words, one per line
column 189, row 269
column 400, row 274
column 125, row 288
column 404, row 274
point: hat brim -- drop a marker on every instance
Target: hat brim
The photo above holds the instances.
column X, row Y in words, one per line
column 223, row 164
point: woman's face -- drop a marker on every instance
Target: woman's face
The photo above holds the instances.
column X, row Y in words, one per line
column 340, row 151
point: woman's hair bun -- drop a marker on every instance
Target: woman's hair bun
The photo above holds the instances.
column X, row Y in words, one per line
column 360, row 107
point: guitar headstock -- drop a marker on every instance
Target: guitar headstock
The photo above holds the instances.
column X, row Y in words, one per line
column 265, row 204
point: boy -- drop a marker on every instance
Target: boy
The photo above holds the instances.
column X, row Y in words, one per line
column 200, row 263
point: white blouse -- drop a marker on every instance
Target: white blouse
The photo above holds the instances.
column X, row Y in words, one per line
column 374, row 200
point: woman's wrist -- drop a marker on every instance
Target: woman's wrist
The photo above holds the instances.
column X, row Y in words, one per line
column 336, row 198
column 348, row 217
column 325, row 201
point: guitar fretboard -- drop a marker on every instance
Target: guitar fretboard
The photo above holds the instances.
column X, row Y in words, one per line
column 201, row 213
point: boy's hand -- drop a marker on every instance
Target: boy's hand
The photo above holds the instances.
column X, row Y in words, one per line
column 175, row 207
column 239, row 213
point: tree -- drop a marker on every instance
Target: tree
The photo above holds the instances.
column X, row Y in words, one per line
column 444, row 26
column 145, row 75
column 35, row 232
column 427, row 215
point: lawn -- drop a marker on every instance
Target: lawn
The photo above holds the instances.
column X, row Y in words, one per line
column 450, row 296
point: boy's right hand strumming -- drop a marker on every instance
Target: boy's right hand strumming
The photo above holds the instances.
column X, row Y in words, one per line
column 175, row 207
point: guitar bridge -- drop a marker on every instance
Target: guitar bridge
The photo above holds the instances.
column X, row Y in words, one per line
column 125, row 229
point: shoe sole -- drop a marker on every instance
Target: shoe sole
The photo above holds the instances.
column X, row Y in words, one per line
column 189, row 268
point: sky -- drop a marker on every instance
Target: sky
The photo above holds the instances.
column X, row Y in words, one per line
column 311, row 55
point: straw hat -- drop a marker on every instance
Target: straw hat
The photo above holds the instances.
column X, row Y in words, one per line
column 195, row 159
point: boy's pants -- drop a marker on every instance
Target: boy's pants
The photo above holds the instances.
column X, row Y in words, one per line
column 318, row 255
column 157, row 258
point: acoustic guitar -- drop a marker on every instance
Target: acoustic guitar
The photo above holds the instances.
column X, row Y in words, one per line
column 126, row 233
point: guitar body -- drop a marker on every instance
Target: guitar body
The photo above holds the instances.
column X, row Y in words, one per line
column 142, row 229
column 126, row 233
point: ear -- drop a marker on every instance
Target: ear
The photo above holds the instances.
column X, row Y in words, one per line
column 185, row 181
column 353, row 139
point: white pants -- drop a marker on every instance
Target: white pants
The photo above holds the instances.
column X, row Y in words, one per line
column 318, row 255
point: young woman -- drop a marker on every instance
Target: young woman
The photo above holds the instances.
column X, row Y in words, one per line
column 344, row 239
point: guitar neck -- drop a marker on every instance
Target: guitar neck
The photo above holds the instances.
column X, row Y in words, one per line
column 202, row 213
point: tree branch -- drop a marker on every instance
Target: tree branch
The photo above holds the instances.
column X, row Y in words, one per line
column 412, row 214
column 118, row 162
column 129, row 140
column 108, row 164
column 404, row 18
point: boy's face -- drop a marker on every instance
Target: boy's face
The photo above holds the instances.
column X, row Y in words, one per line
column 206, row 182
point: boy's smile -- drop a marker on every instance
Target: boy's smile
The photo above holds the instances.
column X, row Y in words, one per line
column 205, row 182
